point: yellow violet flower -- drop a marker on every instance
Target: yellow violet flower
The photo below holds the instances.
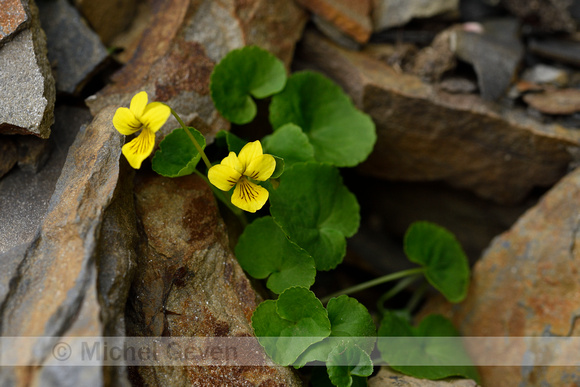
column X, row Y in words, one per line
column 250, row 164
column 148, row 118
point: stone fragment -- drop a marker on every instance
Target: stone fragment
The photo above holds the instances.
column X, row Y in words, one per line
column 428, row 135
column 479, row 10
column 27, row 94
column 458, row 85
column 352, row 17
column 335, row 34
column 394, row 13
column 25, row 193
column 74, row 50
column 33, row 152
column 526, row 284
column 495, row 55
column 188, row 283
column 563, row 101
column 13, row 18
column 108, row 18
column 389, row 378
column 54, row 287
column 561, row 50
column 544, row 74
column 185, row 39
column 8, row 155
column 549, row 15
column 433, row 61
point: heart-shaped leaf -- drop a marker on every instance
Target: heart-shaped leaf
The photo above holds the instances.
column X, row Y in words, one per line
column 290, row 143
column 242, row 74
column 316, row 210
column 264, row 250
column 339, row 133
column 288, row 326
column 177, row 156
column 347, row 361
column 423, row 345
column 446, row 266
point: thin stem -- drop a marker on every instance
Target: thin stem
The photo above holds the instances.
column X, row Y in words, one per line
column 414, row 301
column 193, row 140
column 375, row 282
column 402, row 284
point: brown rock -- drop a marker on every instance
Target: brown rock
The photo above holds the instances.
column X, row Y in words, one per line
column 389, row 378
column 549, row 15
column 526, row 284
column 428, row 135
column 564, row 101
column 14, row 16
column 33, row 153
column 8, row 155
column 54, row 290
column 185, row 39
column 188, row 283
column 350, row 16
column 108, row 18
column 431, row 62
column 393, row 13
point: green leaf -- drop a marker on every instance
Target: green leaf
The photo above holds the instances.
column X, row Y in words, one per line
column 348, row 318
column 433, row 356
column 290, row 143
column 320, row 378
column 233, row 142
column 264, row 250
column 288, row 326
column 339, row 133
column 241, row 74
column 280, row 166
column 316, row 211
column 346, row 361
column 177, row 156
column 447, row 268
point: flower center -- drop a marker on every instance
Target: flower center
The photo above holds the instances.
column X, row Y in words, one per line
column 247, row 191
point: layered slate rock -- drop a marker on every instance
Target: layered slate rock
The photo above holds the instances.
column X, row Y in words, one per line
column 73, row 47
column 527, row 284
column 188, row 283
column 425, row 134
column 71, row 279
column 27, row 95
column 185, row 39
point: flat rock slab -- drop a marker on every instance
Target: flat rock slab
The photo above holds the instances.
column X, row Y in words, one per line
column 27, row 95
column 564, row 101
column 425, row 134
column 74, row 49
column 527, row 283
column 13, row 18
column 188, row 283
column 184, row 40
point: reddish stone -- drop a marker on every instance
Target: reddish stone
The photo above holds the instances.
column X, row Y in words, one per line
column 13, row 17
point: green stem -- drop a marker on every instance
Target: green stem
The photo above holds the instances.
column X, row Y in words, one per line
column 414, row 301
column 221, row 197
column 193, row 140
column 375, row 282
column 402, row 284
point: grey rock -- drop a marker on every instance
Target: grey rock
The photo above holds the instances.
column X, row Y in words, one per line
column 73, row 48
column 561, row 50
column 339, row 37
column 394, row 13
column 548, row 15
column 544, row 74
column 27, row 95
column 8, row 155
column 24, row 194
column 33, row 152
column 495, row 55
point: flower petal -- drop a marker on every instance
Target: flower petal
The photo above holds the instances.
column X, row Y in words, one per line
column 125, row 121
column 234, row 162
column 223, row 176
column 261, row 168
column 155, row 116
column 249, row 196
column 138, row 104
column 139, row 148
column 249, row 152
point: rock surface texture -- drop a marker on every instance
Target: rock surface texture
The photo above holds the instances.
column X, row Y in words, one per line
column 389, row 378
column 500, row 155
column 533, row 263
column 393, row 13
column 27, row 95
column 188, row 283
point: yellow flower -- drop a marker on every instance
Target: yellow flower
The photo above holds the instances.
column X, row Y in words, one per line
column 250, row 164
column 140, row 115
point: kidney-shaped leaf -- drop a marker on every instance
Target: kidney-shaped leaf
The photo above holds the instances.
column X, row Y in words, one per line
column 290, row 143
column 446, row 266
column 339, row 133
column 264, row 250
column 288, row 326
column 241, row 74
column 177, row 156
column 316, row 211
